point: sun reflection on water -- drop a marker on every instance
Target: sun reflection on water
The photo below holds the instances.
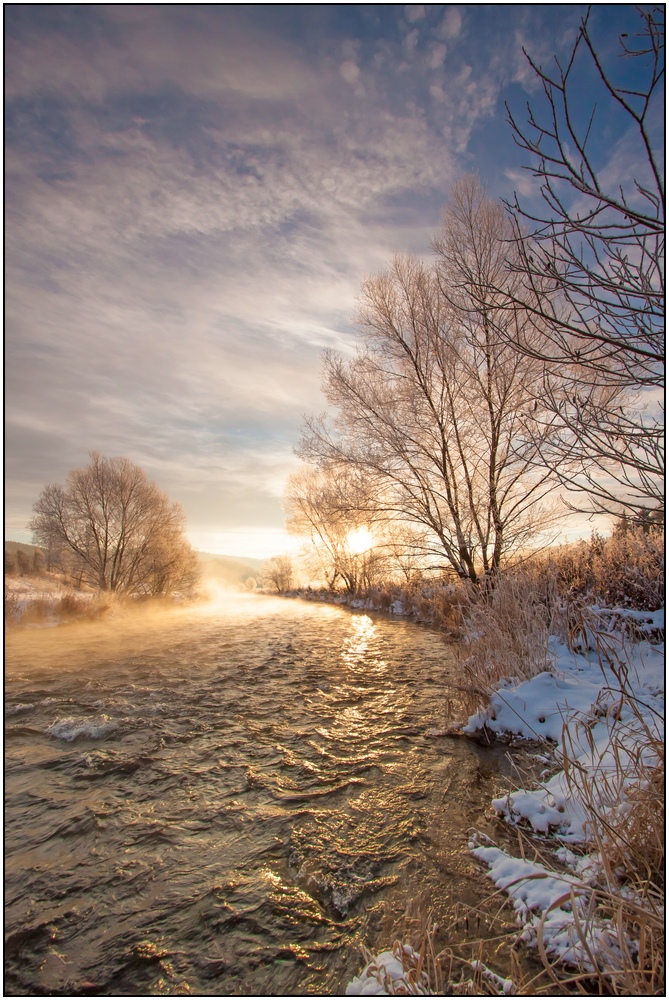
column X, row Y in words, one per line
column 356, row 646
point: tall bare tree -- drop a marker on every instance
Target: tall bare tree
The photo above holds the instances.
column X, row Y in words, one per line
column 320, row 507
column 434, row 405
column 120, row 531
column 598, row 245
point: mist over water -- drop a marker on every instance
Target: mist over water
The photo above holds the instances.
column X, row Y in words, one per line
column 224, row 800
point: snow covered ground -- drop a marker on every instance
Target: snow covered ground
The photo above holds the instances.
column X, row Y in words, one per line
column 601, row 711
column 42, row 600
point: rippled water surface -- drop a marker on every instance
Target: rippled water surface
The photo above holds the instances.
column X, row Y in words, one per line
column 212, row 801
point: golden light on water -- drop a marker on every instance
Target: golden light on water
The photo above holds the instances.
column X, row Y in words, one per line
column 359, row 541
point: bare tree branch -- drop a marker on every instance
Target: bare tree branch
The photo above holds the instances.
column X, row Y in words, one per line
column 592, row 275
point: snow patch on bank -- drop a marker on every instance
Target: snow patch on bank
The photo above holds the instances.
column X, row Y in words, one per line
column 554, row 907
column 600, row 709
column 605, row 712
column 392, row 973
column 580, row 707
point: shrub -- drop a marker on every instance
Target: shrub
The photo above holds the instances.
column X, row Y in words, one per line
column 626, row 569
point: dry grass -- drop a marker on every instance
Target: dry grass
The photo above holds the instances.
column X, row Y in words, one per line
column 623, row 908
column 12, row 608
column 455, row 970
column 625, row 570
column 624, row 799
column 507, row 625
column 72, row 606
column 54, row 606
column 37, row 611
column 508, row 630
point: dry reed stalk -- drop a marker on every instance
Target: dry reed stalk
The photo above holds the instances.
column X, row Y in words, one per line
column 509, row 629
column 622, row 794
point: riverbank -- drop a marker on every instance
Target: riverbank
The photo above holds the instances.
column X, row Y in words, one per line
column 46, row 600
column 587, row 883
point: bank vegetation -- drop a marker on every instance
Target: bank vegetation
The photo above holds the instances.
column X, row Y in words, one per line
column 511, row 378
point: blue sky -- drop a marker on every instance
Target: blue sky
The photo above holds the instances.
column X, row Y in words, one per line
column 194, row 194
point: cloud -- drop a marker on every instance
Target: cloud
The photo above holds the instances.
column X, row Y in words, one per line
column 452, row 23
column 411, row 42
column 193, row 197
column 350, row 71
column 414, row 12
column 436, row 56
column 135, row 48
column 522, row 182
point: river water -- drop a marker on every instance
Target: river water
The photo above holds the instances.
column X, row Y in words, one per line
column 226, row 800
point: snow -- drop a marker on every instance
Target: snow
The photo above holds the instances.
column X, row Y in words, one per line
column 579, row 706
column 392, row 973
column 553, row 906
column 504, row 987
column 604, row 711
column 600, row 708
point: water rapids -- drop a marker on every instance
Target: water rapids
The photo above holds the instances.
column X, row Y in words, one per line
column 223, row 800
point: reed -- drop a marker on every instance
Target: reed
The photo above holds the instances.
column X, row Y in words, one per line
column 507, row 632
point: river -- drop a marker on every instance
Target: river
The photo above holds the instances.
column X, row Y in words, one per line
column 227, row 799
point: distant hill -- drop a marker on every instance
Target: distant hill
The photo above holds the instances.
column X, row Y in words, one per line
column 229, row 569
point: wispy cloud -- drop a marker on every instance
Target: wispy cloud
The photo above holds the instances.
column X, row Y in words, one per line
column 193, row 196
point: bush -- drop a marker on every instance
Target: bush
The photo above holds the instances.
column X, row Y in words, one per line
column 23, row 562
column 625, row 570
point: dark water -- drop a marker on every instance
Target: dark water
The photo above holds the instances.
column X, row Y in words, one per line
column 214, row 802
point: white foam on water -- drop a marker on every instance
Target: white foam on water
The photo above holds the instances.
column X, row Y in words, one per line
column 70, row 728
column 15, row 709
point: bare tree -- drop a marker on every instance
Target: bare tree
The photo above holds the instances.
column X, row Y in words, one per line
column 433, row 407
column 598, row 245
column 325, row 505
column 120, row 530
column 278, row 573
column 329, row 507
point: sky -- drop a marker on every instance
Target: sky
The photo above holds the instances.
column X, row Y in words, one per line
column 193, row 197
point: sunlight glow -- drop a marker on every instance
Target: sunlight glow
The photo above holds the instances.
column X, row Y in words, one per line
column 359, row 541
column 250, row 543
column 355, row 647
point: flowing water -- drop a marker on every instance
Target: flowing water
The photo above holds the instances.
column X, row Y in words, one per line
column 220, row 800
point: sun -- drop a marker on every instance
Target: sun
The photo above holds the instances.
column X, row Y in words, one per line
column 359, row 540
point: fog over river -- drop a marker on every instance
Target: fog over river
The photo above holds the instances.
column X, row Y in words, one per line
column 227, row 799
